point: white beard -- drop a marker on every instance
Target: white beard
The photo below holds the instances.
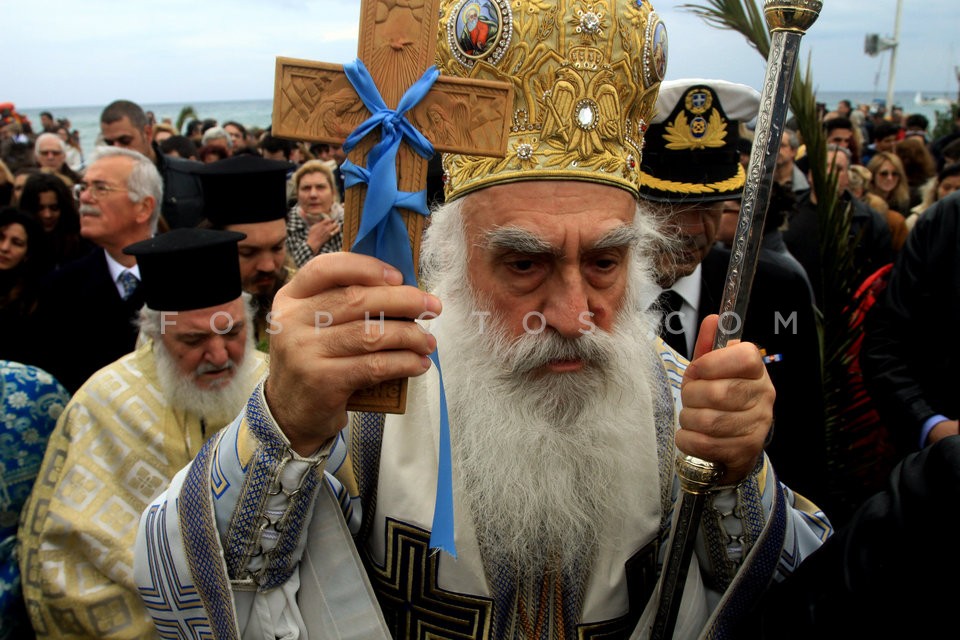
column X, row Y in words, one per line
column 218, row 405
column 542, row 459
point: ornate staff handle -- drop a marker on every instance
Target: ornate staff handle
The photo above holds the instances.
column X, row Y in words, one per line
column 788, row 20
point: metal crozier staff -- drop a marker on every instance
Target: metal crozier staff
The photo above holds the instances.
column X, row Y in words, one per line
column 788, row 21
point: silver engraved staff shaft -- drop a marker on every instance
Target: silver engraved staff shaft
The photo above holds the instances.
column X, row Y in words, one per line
column 788, row 20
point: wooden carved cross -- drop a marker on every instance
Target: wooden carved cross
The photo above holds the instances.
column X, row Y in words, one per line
column 315, row 101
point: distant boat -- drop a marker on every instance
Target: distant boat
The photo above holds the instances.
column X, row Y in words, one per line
column 932, row 101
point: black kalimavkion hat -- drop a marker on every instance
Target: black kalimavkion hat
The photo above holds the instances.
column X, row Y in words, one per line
column 690, row 152
column 244, row 189
column 188, row 268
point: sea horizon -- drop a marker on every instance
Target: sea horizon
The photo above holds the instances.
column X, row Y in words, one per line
column 257, row 112
column 873, row 93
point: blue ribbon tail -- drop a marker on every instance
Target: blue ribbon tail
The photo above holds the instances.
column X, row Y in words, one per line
column 393, row 247
column 442, row 531
column 353, row 174
column 414, row 201
column 383, row 235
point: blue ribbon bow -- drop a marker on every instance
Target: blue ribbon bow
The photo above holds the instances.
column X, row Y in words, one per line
column 383, row 235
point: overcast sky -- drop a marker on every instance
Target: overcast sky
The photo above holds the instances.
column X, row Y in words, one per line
column 89, row 52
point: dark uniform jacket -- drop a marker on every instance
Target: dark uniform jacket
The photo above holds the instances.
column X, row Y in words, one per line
column 781, row 321
column 888, row 573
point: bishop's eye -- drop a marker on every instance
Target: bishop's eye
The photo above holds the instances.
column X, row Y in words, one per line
column 522, row 265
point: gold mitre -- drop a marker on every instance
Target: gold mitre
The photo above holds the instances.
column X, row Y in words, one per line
column 585, row 77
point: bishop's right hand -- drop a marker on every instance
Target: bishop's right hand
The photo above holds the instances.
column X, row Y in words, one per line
column 328, row 341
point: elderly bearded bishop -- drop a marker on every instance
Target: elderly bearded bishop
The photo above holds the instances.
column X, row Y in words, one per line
column 300, row 521
column 129, row 429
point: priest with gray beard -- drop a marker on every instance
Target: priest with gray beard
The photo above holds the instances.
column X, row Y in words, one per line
column 129, row 429
column 566, row 412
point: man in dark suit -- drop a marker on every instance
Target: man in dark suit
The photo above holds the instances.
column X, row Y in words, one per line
column 780, row 320
column 85, row 316
column 690, row 167
column 869, row 234
column 124, row 124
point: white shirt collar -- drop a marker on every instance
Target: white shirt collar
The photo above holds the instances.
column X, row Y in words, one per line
column 689, row 289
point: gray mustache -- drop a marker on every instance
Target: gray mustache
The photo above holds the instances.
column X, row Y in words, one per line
column 207, row 367
column 533, row 352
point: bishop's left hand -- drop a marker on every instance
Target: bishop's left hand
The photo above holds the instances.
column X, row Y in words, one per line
column 727, row 401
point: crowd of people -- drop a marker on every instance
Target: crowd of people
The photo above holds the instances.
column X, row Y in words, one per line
column 160, row 285
column 72, row 310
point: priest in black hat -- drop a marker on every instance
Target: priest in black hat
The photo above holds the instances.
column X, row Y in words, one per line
column 248, row 194
column 130, row 428
column 691, row 165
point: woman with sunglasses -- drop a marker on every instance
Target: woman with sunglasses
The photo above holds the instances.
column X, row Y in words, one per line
column 889, row 181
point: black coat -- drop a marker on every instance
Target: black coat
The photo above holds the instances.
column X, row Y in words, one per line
column 889, row 573
column 791, row 346
column 82, row 323
column 910, row 354
column 869, row 233
column 182, row 190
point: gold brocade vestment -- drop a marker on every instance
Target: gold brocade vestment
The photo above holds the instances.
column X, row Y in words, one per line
column 115, row 447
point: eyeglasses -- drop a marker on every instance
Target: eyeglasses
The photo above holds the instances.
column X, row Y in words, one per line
column 51, row 152
column 97, row 189
column 888, row 174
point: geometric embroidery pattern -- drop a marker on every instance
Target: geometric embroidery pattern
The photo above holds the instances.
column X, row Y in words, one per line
column 366, row 438
column 669, row 373
column 262, row 477
column 198, row 530
column 168, row 592
column 413, row 605
column 760, row 566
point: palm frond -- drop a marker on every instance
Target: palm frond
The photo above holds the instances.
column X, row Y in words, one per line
column 185, row 113
column 742, row 17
